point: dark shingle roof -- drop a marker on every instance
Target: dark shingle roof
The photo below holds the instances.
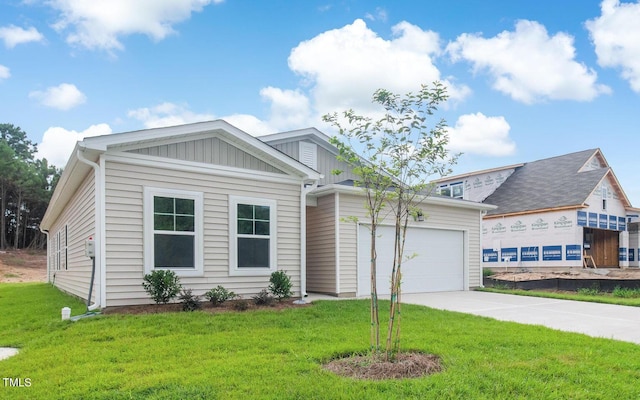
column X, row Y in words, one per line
column 549, row 183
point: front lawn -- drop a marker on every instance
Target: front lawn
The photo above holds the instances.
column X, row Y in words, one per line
column 278, row 354
column 590, row 295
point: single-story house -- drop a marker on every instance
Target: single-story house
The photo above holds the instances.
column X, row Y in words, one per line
column 445, row 245
column 221, row 207
column 564, row 211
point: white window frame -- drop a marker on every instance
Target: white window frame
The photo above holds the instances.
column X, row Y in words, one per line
column 449, row 187
column 149, row 249
column 233, row 236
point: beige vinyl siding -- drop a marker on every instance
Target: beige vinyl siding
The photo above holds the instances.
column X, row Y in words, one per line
column 124, row 228
column 78, row 216
column 436, row 216
column 321, row 246
column 208, row 151
column 327, row 162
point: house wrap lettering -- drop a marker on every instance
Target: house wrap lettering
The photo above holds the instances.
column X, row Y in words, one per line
column 539, row 225
column 498, row 228
column 518, row 227
column 563, row 222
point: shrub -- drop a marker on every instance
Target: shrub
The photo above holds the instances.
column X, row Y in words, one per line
column 241, row 305
column 626, row 293
column 486, row 272
column 161, row 285
column 219, row 295
column 592, row 291
column 190, row 301
column 280, row 285
column 263, row 298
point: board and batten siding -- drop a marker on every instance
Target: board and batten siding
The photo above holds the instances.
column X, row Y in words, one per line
column 208, row 151
column 327, row 162
column 321, row 246
column 436, row 217
column 124, row 228
column 79, row 218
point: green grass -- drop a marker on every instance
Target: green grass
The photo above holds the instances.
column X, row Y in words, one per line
column 621, row 297
column 278, row 354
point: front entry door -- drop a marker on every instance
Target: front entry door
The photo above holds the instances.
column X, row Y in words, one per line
column 604, row 248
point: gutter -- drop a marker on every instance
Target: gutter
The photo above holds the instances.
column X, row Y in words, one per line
column 46, row 233
column 306, row 189
column 96, row 169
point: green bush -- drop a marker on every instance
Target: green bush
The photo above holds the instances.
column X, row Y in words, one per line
column 592, row 291
column 219, row 295
column 241, row 305
column 190, row 301
column 486, row 272
column 626, row 293
column 280, row 285
column 263, row 298
column 161, row 285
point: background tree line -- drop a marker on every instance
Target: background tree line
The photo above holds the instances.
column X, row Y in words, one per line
column 26, row 185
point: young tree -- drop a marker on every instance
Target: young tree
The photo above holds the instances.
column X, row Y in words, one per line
column 403, row 149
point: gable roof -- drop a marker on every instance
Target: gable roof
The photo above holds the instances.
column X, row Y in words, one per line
column 552, row 183
column 311, row 134
column 88, row 152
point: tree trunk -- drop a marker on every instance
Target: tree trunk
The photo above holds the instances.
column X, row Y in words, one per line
column 3, row 219
column 375, row 320
column 18, row 207
column 25, row 225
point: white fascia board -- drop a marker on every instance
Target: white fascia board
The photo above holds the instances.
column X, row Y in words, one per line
column 72, row 177
column 245, row 141
column 434, row 200
column 190, row 166
column 312, row 134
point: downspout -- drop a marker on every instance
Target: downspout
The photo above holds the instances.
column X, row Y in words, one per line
column 96, row 169
column 306, row 189
column 482, row 214
column 46, row 233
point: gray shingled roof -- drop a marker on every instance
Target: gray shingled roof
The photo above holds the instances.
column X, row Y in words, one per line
column 548, row 183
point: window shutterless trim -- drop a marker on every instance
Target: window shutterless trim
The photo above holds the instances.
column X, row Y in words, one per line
column 233, row 236
column 149, row 231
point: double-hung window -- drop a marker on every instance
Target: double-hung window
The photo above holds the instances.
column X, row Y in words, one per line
column 173, row 231
column 252, row 239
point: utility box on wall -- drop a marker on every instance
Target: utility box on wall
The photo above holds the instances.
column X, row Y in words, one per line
column 90, row 248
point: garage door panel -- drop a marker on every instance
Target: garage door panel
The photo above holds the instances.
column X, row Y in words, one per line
column 434, row 260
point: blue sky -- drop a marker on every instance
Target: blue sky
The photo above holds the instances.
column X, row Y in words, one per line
column 527, row 80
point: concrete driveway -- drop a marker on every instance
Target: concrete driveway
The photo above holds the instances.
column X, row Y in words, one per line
column 593, row 319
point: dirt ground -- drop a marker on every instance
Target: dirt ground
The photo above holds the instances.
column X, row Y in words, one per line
column 23, row 266
column 584, row 273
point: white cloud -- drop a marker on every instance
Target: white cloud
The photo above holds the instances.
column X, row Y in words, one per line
column 167, row 114
column 343, row 67
column 4, row 72
column 14, row 35
column 99, row 24
column 251, row 124
column 63, row 97
column 379, row 15
column 479, row 134
column 615, row 37
column 529, row 65
column 289, row 108
column 58, row 143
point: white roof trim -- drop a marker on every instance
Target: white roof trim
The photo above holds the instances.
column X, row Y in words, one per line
column 434, row 200
column 103, row 143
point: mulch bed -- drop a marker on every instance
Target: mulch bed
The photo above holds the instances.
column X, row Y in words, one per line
column 227, row 306
column 405, row 365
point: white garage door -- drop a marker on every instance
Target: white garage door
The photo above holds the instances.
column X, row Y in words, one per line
column 438, row 265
